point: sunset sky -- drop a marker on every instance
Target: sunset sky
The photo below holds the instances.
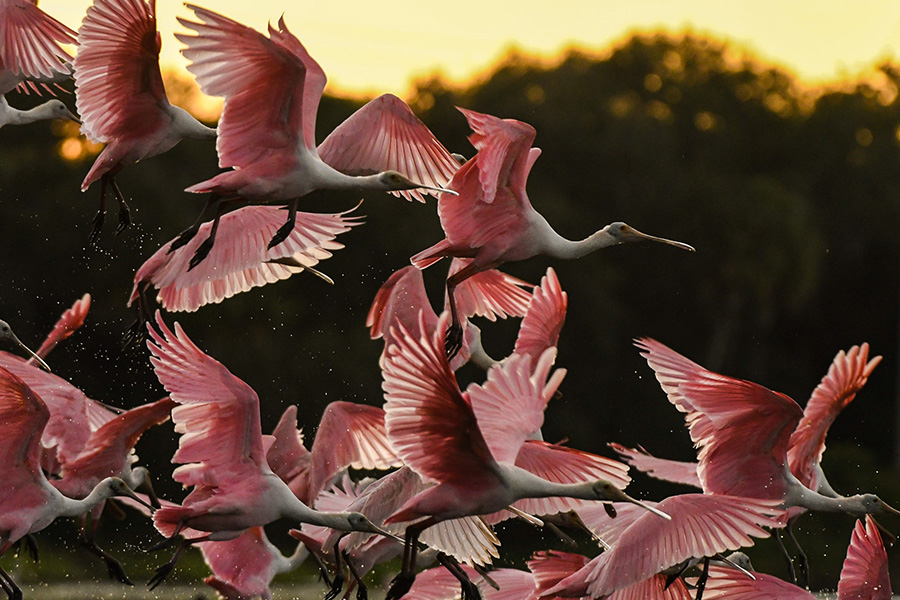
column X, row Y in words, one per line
column 375, row 47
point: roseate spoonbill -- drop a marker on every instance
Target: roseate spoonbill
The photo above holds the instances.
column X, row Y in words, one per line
column 233, row 486
column 31, row 56
column 805, row 440
column 864, row 575
column 701, row 525
column 440, row 584
column 110, row 452
column 272, row 88
column 489, row 294
column 121, row 97
column 28, row 502
column 491, row 220
column 240, row 262
column 6, row 334
column 743, row 432
column 433, row 428
column 245, row 566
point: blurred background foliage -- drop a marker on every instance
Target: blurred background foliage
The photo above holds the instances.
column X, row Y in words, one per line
column 789, row 194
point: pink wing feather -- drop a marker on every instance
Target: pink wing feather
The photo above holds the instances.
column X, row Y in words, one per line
column 30, row 42
column 510, row 405
column 864, row 575
column 67, row 324
column 490, row 294
column 741, row 428
column 675, row 471
column 701, row 525
column 240, row 260
column 120, row 88
column 385, row 135
column 349, row 435
column 847, row 374
column 730, row 584
column 287, row 457
column 430, row 422
column 271, row 86
column 24, row 416
column 214, row 405
column 543, row 318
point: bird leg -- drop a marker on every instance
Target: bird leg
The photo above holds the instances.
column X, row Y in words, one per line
column 124, row 212
column 88, row 540
column 401, row 583
column 787, row 556
column 100, row 216
column 169, row 540
column 469, row 591
column 203, row 249
column 285, row 230
column 802, row 560
column 454, row 336
column 188, row 234
column 165, row 570
column 362, row 592
column 9, row 586
column 29, row 543
column 704, row 576
column 337, row 584
column 137, row 332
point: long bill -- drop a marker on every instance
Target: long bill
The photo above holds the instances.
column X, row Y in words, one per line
column 620, row 496
column 34, row 357
column 636, row 235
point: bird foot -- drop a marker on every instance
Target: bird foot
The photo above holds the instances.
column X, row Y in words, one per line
column 453, row 341
column 124, row 218
column 161, row 545
column 161, row 574
column 362, row 592
column 400, row 585
column 337, row 586
column 282, row 234
column 201, row 253
column 116, row 571
column 94, row 238
column 183, row 238
column 469, row 591
column 134, row 335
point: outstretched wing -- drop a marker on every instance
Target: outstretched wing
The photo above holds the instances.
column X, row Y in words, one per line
column 120, row 88
column 385, row 135
column 30, row 42
column 864, row 575
column 67, row 324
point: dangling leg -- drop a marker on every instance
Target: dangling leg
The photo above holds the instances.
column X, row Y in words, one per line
column 188, row 234
column 787, row 556
column 285, row 230
column 454, row 336
column 165, row 570
column 9, row 586
column 407, row 575
column 88, row 539
column 124, row 213
column 701, row 583
column 137, row 332
column 204, row 248
column 469, row 591
column 362, row 592
column 100, row 216
column 803, row 566
column 337, row 585
column 169, row 540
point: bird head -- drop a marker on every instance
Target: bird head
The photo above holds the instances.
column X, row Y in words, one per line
column 6, row 333
column 359, row 522
column 115, row 486
column 622, row 233
column 58, row 110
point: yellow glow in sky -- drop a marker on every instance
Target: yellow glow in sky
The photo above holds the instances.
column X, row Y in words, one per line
column 375, row 47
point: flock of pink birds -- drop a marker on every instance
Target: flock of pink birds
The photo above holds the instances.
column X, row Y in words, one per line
column 454, row 461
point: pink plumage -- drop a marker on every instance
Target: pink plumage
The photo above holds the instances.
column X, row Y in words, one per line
column 241, row 261
column 31, row 46
column 70, row 321
column 864, row 575
column 675, row 471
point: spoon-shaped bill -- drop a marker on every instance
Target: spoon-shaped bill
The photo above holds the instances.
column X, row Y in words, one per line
column 6, row 333
column 618, row 495
column 631, row 234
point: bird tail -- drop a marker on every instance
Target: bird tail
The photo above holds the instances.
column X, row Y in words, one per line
column 429, row 256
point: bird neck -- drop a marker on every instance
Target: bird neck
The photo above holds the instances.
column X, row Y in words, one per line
column 527, row 485
column 189, row 127
column 101, row 493
column 41, row 112
column 560, row 247
column 851, row 505
column 301, row 512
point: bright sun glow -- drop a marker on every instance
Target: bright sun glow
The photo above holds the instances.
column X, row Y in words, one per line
column 370, row 48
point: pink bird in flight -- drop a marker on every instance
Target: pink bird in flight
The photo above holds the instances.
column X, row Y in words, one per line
column 121, row 97
column 490, row 218
column 272, row 88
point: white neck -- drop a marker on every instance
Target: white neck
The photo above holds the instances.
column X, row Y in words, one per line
column 805, row 497
column 560, row 247
column 73, row 508
column 23, row 117
column 523, row 484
